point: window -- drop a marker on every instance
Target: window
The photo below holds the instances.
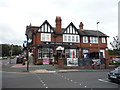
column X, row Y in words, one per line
column 71, row 53
column 85, row 39
column 65, row 38
column 71, row 38
column 93, row 39
column 103, row 40
column 77, row 39
column 42, row 52
column 45, row 37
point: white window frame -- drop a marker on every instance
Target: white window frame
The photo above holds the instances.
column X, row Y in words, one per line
column 103, row 40
column 85, row 39
column 93, row 39
column 46, row 37
column 69, row 38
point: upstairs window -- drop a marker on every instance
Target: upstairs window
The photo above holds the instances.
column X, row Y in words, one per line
column 71, row 38
column 93, row 39
column 46, row 37
column 103, row 40
column 85, row 39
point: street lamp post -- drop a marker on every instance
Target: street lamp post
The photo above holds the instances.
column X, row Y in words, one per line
column 98, row 42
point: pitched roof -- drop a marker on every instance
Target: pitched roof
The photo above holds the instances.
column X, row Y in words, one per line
column 83, row 32
column 92, row 33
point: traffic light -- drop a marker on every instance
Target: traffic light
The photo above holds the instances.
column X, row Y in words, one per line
column 30, row 50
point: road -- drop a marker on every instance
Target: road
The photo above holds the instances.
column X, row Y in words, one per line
column 57, row 80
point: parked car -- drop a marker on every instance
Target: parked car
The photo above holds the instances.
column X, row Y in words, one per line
column 114, row 75
column 19, row 59
column 116, row 60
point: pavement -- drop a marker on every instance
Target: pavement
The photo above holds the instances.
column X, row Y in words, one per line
column 45, row 69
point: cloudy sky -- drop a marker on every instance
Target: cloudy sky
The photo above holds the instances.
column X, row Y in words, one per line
column 15, row 15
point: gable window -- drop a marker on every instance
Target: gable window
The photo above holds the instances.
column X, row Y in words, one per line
column 45, row 37
column 71, row 38
column 93, row 39
column 103, row 40
column 85, row 39
column 65, row 38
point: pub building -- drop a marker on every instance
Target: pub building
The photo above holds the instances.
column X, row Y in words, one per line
column 68, row 45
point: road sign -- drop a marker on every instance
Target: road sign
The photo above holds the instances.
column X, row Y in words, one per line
column 25, row 41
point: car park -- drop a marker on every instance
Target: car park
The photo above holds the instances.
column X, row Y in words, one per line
column 114, row 75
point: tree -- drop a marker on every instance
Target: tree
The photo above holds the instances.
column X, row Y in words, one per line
column 116, row 45
column 7, row 47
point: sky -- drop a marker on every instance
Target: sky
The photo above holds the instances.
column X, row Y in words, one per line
column 15, row 15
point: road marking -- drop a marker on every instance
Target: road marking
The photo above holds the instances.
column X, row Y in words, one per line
column 106, row 81
column 80, row 84
column 41, row 80
column 102, row 80
column 85, row 86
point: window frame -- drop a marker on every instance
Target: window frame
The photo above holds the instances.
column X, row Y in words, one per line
column 94, row 40
column 71, row 38
column 103, row 40
column 85, row 39
column 46, row 36
column 41, row 53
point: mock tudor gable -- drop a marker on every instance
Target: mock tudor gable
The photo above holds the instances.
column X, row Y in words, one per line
column 71, row 29
column 46, row 27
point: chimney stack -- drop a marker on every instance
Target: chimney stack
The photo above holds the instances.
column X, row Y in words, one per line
column 58, row 24
column 81, row 26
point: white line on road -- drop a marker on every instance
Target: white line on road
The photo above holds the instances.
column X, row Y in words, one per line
column 106, row 81
column 41, row 80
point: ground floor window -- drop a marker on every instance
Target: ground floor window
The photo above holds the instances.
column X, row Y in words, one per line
column 71, row 53
column 45, row 53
